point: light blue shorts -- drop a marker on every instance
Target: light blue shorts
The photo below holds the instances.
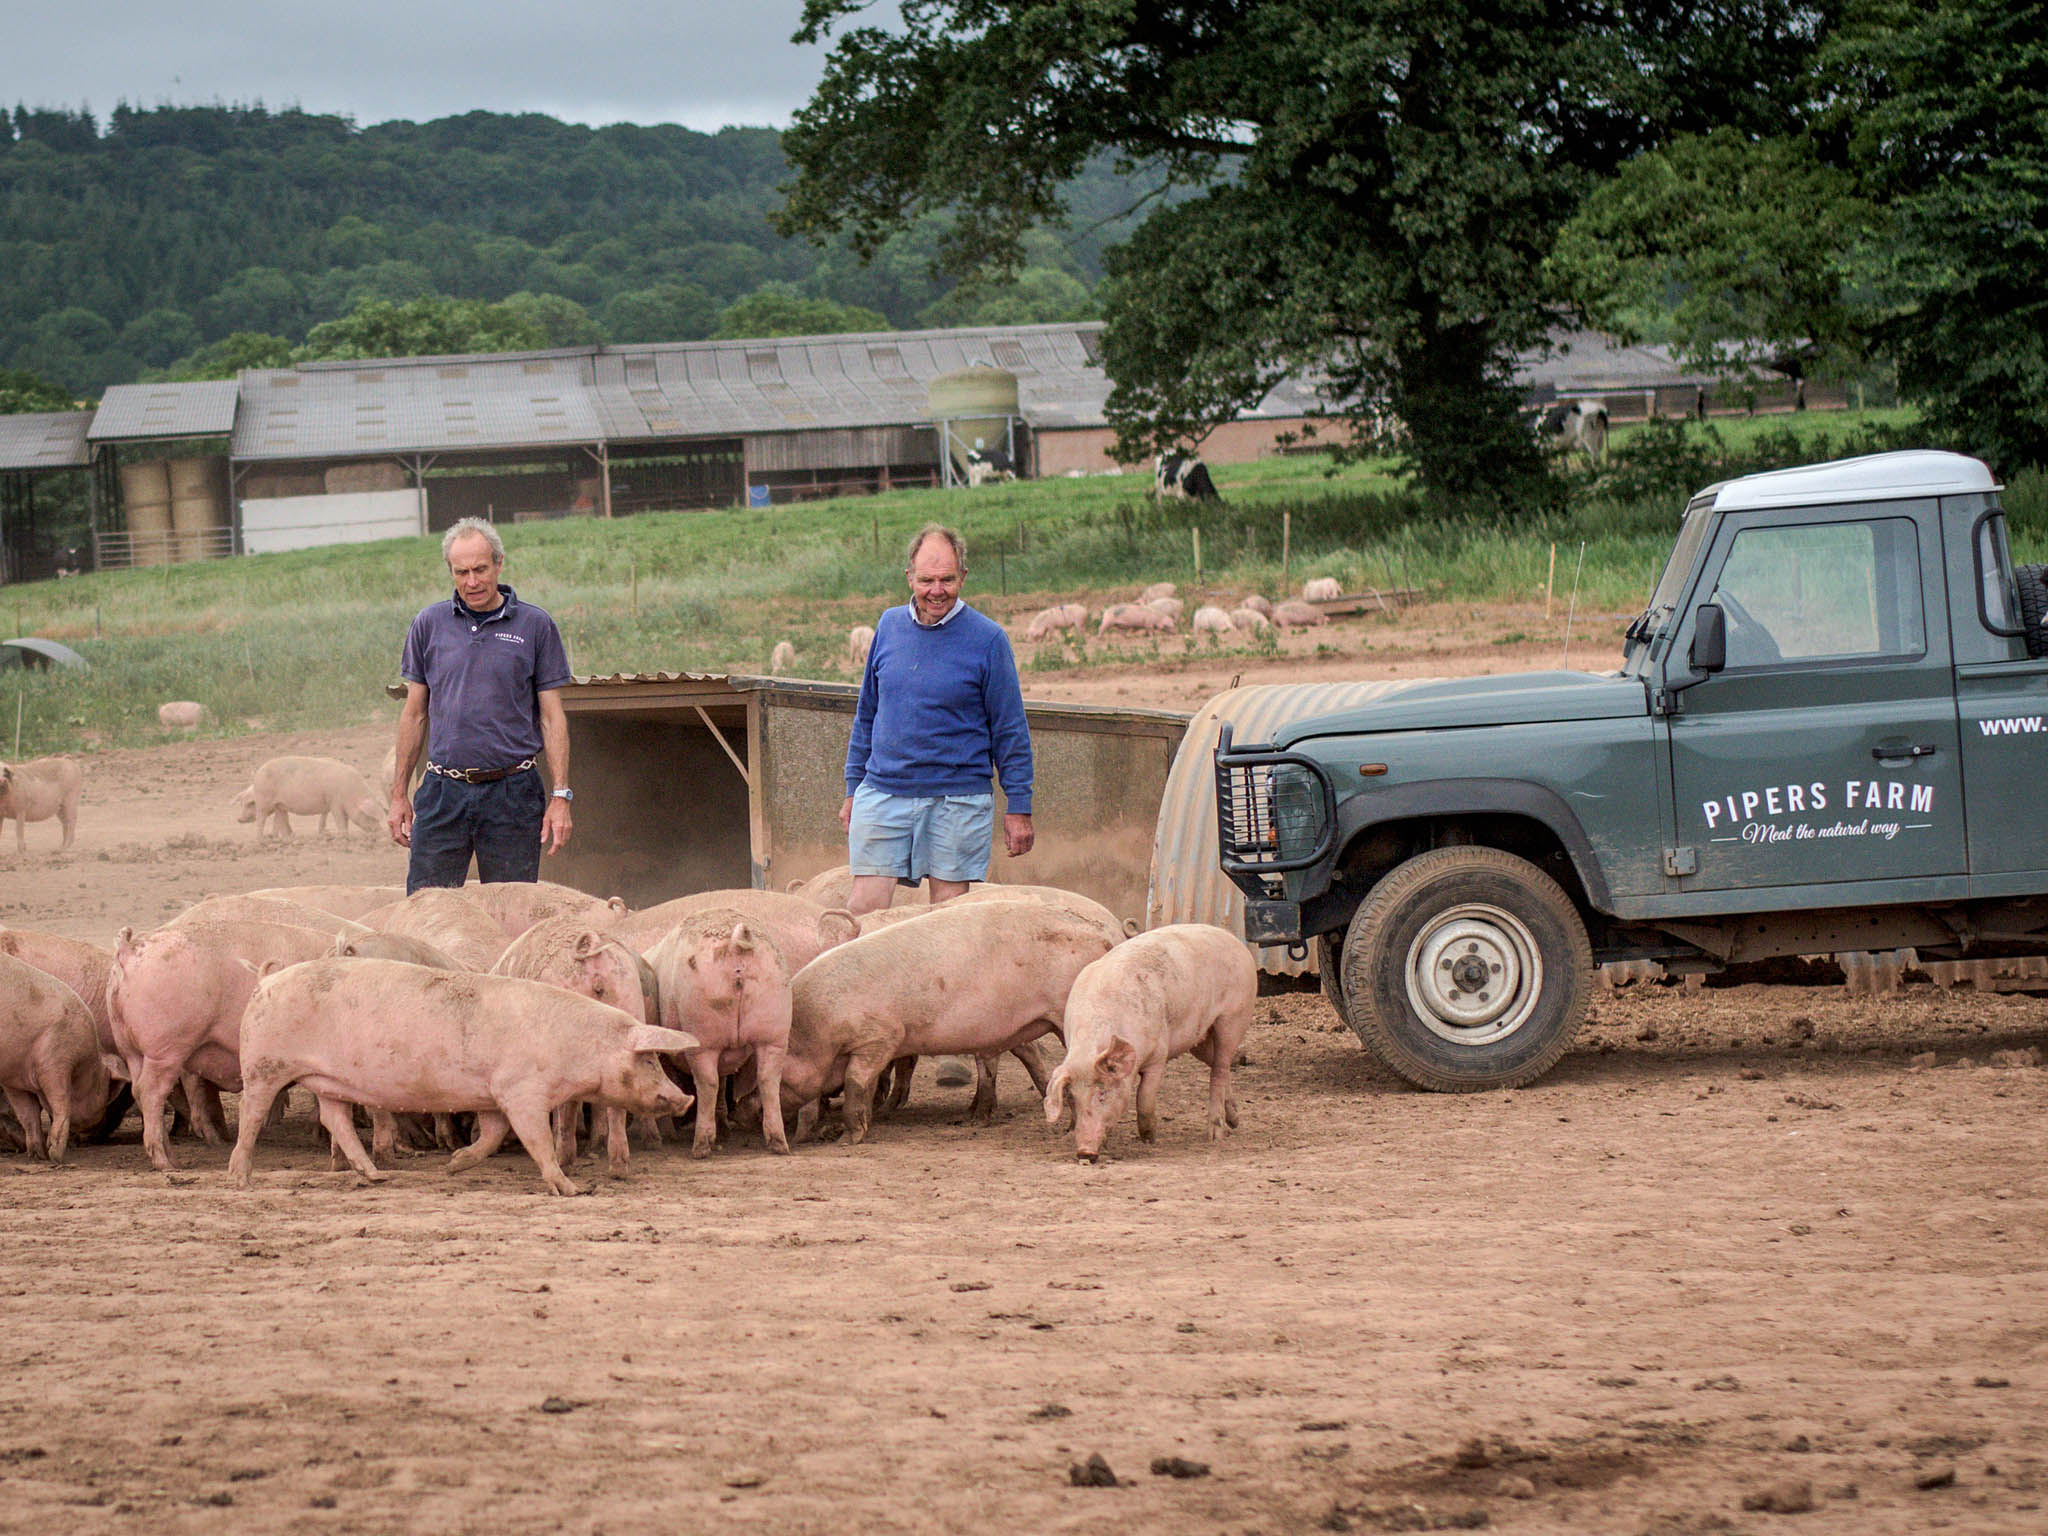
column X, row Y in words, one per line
column 948, row 837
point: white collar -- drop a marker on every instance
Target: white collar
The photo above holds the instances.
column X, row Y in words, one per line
column 951, row 613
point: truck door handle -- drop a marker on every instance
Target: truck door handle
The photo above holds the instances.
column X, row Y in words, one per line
column 1887, row 753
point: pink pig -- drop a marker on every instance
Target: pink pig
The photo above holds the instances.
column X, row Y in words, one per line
column 1184, row 988
column 49, row 1057
column 176, row 998
column 567, row 952
column 964, row 980
column 723, row 980
column 801, row 929
column 392, row 1036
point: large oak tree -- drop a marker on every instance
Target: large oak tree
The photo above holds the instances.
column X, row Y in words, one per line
column 1362, row 188
column 1900, row 219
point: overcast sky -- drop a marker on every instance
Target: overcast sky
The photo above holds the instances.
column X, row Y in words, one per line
column 695, row 62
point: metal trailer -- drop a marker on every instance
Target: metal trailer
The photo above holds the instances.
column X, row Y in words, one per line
column 699, row 781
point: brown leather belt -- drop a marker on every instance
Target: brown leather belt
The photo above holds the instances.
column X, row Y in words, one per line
column 479, row 775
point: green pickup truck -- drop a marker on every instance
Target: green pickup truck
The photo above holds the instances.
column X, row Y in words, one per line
column 1825, row 735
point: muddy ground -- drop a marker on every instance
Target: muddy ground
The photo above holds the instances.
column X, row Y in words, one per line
column 1743, row 1247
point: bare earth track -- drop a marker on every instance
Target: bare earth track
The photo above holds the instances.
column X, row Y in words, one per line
column 1738, row 1245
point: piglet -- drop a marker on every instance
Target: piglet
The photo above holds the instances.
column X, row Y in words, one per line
column 400, row 1037
column 50, row 1057
column 1184, row 988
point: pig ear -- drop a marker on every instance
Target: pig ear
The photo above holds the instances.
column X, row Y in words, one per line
column 1056, row 1094
column 116, row 1067
column 1119, row 1059
column 652, row 1037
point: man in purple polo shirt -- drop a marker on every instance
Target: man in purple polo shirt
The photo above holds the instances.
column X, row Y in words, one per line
column 481, row 679
column 940, row 714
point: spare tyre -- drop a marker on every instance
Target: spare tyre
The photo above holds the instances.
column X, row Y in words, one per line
column 2032, row 581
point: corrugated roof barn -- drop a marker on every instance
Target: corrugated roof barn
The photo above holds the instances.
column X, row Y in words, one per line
column 356, row 448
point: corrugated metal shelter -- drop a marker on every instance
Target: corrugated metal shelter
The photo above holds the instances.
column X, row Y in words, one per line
column 1187, row 882
column 1644, row 379
column 32, row 445
column 763, row 758
column 711, row 423
column 40, row 440
column 142, row 413
column 416, row 406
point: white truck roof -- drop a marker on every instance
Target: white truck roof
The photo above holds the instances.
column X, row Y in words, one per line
column 1875, row 477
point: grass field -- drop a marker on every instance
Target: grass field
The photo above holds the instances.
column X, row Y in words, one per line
column 310, row 638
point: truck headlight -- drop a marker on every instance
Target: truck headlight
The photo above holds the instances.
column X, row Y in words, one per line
column 1297, row 801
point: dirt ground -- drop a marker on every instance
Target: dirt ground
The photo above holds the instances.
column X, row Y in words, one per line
column 1765, row 1246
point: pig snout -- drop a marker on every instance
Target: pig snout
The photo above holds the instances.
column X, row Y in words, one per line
column 1097, row 1107
column 647, row 1088
column 671, row 1099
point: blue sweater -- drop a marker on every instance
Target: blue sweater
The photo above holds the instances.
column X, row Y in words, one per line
column 941, row 711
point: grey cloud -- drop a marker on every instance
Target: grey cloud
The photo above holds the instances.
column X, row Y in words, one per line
column 696, row 63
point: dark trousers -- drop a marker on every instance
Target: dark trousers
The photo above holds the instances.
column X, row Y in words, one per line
column 498, row 822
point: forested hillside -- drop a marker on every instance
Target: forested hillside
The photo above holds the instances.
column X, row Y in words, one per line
column 187, row 239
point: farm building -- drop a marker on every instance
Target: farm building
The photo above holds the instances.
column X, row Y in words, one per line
column 326, row 452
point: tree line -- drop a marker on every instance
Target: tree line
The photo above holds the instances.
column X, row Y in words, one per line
column 1395, row 195
column 186, row 242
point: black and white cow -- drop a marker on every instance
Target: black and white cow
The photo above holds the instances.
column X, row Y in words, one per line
column 70, row 561
column 1575, row 426
column 1184, row 476
column 985, row 466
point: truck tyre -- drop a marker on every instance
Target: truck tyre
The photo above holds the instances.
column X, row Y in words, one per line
column 2032, row 580
column 1467, row 968
column 1330, row 971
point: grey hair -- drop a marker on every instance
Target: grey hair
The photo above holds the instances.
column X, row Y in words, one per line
column 940, row 530
column 469, row 525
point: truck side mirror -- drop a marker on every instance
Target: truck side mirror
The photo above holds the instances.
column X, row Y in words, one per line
column 1709, row 652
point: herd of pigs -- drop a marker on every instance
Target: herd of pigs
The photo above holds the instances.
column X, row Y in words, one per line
column 1158, row 609
column 524, row 1007
column 456, row 1017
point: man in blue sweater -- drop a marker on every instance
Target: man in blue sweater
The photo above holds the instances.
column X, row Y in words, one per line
column 940, row 714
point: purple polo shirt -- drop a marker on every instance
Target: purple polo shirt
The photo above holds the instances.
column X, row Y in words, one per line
column 484, row 675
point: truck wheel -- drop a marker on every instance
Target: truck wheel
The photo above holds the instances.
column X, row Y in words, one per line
column 2032, row 580
column 1467, row 968
column 1330, row 971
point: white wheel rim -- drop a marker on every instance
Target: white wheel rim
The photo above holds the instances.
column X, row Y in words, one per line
column 1474, row 974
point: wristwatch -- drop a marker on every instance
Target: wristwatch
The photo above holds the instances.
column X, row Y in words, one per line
column 565, row 793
